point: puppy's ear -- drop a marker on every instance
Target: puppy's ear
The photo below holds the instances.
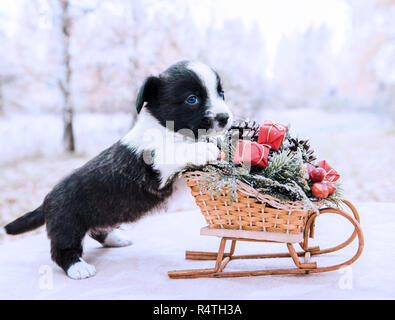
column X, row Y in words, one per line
column 148, row 92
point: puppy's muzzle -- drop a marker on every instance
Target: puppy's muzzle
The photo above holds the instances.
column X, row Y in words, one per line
column 222, row 119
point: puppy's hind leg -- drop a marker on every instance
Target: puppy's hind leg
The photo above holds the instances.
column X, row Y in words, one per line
column 111, row 238
column 66, row 251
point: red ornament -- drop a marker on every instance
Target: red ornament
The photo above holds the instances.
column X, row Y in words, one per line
column 309, row 168
column 252, row 153
column 272, row 134
column 331, row 187
column 331, row 174
column 320, row 190
column 317, row 175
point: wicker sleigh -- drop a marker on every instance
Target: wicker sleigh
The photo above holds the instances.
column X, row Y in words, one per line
column 260, row 217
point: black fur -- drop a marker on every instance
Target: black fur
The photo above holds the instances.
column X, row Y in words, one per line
column 165, row 96
column 99, row 235
column 27, row 222
column 102, row 193
column 117, row 186
column 147, row 92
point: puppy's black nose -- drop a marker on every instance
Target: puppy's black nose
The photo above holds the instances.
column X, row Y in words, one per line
column 222, row 119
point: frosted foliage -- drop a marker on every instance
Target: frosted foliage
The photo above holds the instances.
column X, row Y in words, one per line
column 338, row 62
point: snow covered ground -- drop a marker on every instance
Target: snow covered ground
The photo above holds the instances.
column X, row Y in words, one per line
column 159, row 242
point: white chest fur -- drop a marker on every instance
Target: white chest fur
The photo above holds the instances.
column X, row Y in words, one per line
column 167, row 151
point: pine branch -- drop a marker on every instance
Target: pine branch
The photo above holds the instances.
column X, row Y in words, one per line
column 217, row 187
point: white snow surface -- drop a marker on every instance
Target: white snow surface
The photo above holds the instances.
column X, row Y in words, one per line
column 159, row 244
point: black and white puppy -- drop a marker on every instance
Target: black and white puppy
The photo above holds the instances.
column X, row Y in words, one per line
column 133, row 176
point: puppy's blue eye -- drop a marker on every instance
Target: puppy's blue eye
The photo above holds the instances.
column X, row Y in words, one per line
column 192, row 99
column 222, row 94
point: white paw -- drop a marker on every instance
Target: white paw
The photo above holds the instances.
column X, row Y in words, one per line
column 206, row 152
column 81, row 270
column 116, row 238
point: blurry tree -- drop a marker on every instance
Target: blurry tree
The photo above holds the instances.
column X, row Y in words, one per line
column 384, row 60
column 302, row 68
column 115, row 44
column 238, row 53
column 102, row 65
column 137, row 30
column 1, row 96
column 66, row 21
column 2, row 40
column 64, row 82
column 5, row 80
column 18, row 59
column 370, row 55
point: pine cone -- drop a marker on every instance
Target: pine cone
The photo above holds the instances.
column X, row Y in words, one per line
column 247, row 129
column 304, row 145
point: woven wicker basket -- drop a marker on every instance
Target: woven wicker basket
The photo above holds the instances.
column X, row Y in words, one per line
column 252, row 211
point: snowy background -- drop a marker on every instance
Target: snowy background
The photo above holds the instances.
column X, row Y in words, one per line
column 325, row 67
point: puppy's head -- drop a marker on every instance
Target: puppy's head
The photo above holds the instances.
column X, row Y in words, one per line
column 190, row 95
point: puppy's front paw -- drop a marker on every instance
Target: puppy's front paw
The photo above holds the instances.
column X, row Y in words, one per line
column 206, row 152
column 81, row 270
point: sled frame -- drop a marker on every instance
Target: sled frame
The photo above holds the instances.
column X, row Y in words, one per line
column 222, row 258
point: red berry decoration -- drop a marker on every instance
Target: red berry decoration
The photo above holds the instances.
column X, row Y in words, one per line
column 320, row 190
column 309, row 168
column 331, row 187
column 317, row 174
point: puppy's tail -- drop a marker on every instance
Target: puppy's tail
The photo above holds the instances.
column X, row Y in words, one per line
column 27, row 222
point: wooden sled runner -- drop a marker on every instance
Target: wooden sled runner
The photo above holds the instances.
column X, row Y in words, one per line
column 260, row 226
